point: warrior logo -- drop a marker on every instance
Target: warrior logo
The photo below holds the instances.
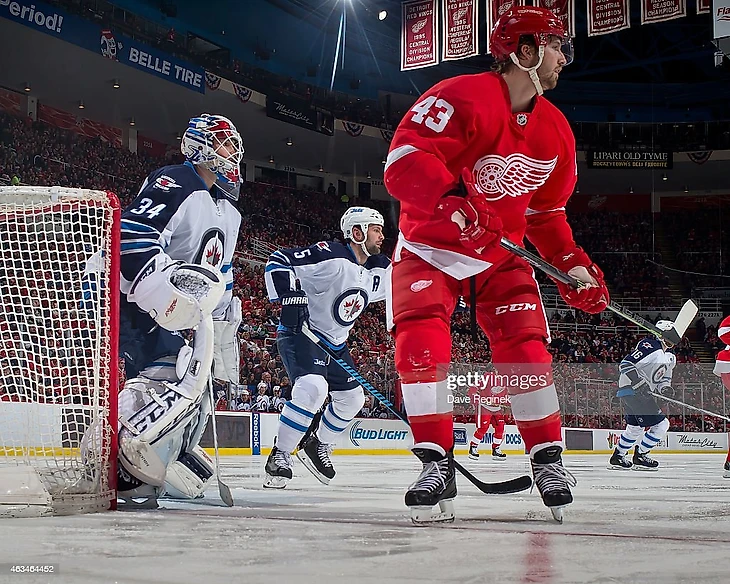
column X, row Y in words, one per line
column 515, row 175
column 349, row 305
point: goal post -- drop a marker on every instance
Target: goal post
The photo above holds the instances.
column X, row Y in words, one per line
column 59, row 320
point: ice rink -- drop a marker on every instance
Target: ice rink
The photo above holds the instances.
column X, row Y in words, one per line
column 625, row 526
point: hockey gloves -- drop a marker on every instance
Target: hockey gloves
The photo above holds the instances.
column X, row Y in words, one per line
column 480, row 226
column 593, row 297
column 294, row 310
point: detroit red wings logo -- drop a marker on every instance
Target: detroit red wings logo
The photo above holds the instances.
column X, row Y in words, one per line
column 459, row 14
column 513, row 176
column 418, row 27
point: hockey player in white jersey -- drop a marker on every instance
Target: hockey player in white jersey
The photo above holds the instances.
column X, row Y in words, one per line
column 177, row 243
column 647, row 369
column 326, row 287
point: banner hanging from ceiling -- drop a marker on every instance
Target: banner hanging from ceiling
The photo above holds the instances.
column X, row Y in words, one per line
column 495, row 9
column 564, row 10
column 607, row 16
column 704, row 6
column 460, row 29
column 660, row 10
column 418, row 43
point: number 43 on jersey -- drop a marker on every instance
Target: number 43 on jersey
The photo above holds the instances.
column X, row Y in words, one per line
column 434, row 112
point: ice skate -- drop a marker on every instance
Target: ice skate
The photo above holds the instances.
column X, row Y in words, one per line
column 474, row 451
column 619, row 461
column 726, row 474
column 643, row 462
column 553, row 480
column 498, row 454
column 315, row 455
column 278, row 469
column 436, row 485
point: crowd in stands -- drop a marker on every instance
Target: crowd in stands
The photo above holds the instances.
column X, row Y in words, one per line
column 36, row 153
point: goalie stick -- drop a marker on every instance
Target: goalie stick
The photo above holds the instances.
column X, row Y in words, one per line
column 515, row 485
column 223, row 490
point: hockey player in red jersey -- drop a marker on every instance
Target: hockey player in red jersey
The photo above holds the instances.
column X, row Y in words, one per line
column 488, row 407
column 490, row 148
column 722, row 370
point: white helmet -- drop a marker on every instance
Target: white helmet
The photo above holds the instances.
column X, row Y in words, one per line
column 202, row 140
column 362, row 217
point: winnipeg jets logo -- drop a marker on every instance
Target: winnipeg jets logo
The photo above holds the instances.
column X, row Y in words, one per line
column 420, row 285
column 459, row 14
column 165, row 183
column 418, row 27
column 213, row 254
column 348, row 306
column 513, row 176
column 212, row 246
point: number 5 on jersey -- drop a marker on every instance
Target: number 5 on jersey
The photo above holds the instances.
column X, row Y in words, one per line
column 434, row 112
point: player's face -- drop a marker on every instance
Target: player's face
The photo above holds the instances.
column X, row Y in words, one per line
column 375, row 239
column 552, row 63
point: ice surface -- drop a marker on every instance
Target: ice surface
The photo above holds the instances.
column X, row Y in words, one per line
column 624, row 527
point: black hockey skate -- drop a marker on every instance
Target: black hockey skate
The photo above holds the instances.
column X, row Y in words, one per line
column 278, row 469
column 726, row 474
column 498, row 454
column 474, row 451
column 436, row 485
column 553, row 480
column 315, row 455
column 619, row 461
column 643, row 462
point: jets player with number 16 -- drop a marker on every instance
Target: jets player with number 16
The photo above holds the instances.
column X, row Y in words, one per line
column 477, row 158
column 326, row 287
column 177, row 242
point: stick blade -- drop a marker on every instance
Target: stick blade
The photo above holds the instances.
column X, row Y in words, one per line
column 225, row 493
column 685, row 317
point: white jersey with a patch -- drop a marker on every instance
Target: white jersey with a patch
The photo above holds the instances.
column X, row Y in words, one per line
column 651, row 362
column 337, row 286
column 174, row 213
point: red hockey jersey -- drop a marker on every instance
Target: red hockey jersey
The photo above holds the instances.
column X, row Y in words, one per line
column 525, row 163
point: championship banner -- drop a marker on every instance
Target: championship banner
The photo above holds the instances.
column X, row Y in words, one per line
column 495, row 9
column 418, row 45
column 606, row 16
column 721, row 19
column 657, row 160
column 564, row 10
column 704, row 6
column 661, row 10
column 460, row 18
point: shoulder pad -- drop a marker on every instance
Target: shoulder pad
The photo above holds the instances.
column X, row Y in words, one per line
column 377, row 261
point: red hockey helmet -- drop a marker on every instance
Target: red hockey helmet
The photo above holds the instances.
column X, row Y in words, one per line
column 518, row 21
column 723, row 330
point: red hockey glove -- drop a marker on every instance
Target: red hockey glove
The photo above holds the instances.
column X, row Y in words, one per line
column 480, row 226
column 594, row 298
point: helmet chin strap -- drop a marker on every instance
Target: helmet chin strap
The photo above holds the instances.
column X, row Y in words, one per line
column 531, row 71
column 362, row 243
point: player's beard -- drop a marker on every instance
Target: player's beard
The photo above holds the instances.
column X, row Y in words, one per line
column 548, row 79
column 373, row 248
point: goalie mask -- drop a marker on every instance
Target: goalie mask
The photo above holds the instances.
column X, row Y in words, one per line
column 362, row 217
column 539, row 23
column 213, row 142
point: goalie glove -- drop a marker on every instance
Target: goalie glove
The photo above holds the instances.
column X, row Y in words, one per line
column 175, row 294
column 594, row 297
column 226, row 348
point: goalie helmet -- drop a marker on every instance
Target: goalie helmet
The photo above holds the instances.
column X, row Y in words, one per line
column 538, row 23
column 213, row 142
column 362, row 217
column 665, row 325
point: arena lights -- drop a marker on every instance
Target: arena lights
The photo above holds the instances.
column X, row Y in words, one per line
column 27, row 88
column 116, row 84
column 81, row 104
column 131, row 121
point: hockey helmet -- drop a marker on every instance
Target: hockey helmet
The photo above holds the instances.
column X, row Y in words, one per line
column 665, row 325
column 723, row 330
column 362, row 217
column 539, row 23
column 212, row 141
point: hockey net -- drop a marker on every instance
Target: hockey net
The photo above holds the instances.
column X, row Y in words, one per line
column 59, row 305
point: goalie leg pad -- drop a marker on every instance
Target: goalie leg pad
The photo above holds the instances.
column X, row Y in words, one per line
column 152, row 436
column 189, row 475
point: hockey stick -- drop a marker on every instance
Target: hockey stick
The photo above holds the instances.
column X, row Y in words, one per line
column 223, row 490
column 674, row 336
column 500, row 488
column 689, row 407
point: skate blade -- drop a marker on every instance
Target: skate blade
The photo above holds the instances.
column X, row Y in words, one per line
column 271, row 482
column 726, row 474
column 423, row 515
column 619, row 467
column 472, row 457
column 645, row 468
column 302, row 456
column 557, row 513
column 504, row 458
